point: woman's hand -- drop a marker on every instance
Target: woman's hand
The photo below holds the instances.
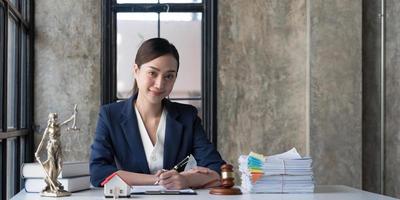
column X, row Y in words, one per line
column 198, row 169
column 202, row 177
column 172, row 180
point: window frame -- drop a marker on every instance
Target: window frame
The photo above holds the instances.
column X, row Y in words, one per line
column 209, row 53
column 23, row 151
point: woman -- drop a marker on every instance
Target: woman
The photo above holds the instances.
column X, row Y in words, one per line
column 141, row 139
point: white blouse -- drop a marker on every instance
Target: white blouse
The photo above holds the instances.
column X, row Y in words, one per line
column 154, row 154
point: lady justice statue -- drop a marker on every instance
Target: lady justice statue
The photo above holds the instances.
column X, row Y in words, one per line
column 53, row 165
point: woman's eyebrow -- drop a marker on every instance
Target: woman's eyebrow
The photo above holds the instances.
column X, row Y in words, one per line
column 155, row 68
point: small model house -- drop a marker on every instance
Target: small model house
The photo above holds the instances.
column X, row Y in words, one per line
column 114, row 186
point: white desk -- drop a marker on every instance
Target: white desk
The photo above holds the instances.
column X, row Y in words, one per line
column 336, row 192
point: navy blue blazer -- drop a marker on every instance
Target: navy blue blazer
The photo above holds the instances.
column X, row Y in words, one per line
column 117, row 143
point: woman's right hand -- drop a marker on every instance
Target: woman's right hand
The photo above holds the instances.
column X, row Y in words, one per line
column 173, row 180
column 157, row 175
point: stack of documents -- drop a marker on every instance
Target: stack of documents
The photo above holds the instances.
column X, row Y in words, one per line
column 283, row 173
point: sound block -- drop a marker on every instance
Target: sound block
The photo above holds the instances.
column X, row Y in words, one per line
column 225, row 191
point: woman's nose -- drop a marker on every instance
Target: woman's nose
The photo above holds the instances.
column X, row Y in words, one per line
column 159, row 82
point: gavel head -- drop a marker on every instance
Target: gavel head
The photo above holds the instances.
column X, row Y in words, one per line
column 227, row 176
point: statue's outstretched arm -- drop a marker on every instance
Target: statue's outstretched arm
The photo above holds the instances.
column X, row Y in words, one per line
column 67, row 121
column 71, row 118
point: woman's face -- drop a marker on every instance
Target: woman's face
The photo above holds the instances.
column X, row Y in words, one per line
column 156, row 78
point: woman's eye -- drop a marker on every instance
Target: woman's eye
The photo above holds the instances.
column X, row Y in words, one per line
column 152, row 74
column 170, row 77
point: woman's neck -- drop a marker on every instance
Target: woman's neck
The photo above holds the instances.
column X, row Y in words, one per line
column 148, row 110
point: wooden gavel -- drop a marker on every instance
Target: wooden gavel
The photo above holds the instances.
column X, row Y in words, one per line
column 227, row 177
column 227, row 182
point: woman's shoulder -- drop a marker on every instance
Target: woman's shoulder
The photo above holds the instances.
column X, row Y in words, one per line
column 116, row 107
column 185, row 109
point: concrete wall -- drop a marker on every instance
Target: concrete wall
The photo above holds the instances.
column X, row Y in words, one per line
column 67, row 69
column 263, row 79
column 392, row 99
column 335, row 94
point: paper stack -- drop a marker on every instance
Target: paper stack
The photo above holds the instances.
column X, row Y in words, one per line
column 283, row 173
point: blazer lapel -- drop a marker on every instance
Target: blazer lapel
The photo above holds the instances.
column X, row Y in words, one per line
column 132, row 135
column 173, row 136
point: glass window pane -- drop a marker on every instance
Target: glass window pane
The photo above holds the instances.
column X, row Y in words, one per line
column 11, row 168
column 132, row 30
column 24, row 8
column 180, row 1
column 23, row 83
column 185, row 33
column 28, row 7
column 14, row 2
column 137, row 1
column 22, row 158
column 11, row 73
column 195, row 103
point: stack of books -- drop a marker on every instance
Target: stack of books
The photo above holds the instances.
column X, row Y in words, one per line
column 282, row 173
column 74, row 176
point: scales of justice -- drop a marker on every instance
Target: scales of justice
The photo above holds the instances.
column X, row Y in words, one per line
column 52, row 166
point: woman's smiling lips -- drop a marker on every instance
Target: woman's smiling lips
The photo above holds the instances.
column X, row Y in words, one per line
column 154, row 93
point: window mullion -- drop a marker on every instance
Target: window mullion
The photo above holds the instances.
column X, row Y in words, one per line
column 5, row 69
column 163, row 7
column 158, row 21
column 17, row 86
column 2, row 52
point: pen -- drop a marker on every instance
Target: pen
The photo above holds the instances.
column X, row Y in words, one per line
column 178, row 167
column 181, row 165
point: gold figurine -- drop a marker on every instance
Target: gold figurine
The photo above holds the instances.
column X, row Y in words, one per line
column 53, row 165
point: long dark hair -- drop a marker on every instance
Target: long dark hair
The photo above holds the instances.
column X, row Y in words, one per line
column 152, row 49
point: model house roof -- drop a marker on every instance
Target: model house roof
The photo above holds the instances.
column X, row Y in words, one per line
column 111, row 177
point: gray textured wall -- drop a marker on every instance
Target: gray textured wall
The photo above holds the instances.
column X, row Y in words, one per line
column 335, row 94
column 392, row 101
column 67, row 69
column 261, row 77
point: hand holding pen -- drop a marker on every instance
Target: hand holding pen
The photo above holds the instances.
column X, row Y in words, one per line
column 177, row 168
column 158, row 174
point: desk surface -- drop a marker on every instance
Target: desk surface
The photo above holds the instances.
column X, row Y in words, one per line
column 321, row 193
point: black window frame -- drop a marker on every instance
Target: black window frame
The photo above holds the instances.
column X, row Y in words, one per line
column 23, row 137
column 209, row 52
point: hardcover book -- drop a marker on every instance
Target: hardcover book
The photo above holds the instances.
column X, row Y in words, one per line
column 70, row 184
column 70, row 169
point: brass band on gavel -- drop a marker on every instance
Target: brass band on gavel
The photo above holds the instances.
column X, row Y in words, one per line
column 225, row 175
